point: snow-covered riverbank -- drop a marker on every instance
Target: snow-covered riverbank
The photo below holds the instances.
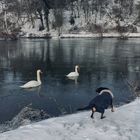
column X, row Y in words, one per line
column 123, row 124
column 104, row 35
column 43, row 34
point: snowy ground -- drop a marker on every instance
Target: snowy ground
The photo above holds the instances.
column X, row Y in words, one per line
column 123, row 124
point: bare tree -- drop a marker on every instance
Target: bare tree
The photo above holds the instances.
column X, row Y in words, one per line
column 58, row 14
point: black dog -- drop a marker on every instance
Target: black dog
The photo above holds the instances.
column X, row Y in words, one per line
column 102, row 101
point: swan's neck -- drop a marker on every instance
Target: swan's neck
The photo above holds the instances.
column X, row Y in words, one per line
column 76, row 70
column 38, row 77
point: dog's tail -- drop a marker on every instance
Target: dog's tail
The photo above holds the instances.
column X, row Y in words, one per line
column 84, row 108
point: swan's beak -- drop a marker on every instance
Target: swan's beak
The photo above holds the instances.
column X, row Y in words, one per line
column 41, row 72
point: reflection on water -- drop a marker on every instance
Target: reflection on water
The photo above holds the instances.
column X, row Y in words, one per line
column 102, row 63
column 74, row 79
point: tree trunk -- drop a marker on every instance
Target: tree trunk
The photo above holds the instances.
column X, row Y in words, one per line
column 47, row 19
column 5, row 22
column 41, row 19
column 46, row 12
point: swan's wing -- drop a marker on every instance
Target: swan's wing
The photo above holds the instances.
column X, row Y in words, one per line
column 31, row 84
column 72, row 74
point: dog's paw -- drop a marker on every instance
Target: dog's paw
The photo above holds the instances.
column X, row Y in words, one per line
column 103, row 117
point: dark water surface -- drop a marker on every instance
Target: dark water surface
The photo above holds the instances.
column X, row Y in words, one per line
column 102, row 63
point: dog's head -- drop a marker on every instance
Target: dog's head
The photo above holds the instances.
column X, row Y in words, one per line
column 98, row 90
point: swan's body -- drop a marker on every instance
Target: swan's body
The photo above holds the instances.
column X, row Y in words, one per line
column 74, row 74
column 33, row 83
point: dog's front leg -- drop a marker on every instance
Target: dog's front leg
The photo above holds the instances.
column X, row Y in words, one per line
column 92, row 115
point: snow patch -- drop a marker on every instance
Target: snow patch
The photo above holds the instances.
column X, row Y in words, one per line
column 123, row 124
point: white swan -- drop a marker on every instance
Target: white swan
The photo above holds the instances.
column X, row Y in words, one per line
column 74, row 74
column 33, row 83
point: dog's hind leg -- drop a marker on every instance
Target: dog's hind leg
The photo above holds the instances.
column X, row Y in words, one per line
column 102, row 115
column 93, row 110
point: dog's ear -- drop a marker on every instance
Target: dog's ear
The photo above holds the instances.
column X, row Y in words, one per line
column 98, row 90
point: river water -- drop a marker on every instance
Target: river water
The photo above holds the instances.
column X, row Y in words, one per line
column 106, row 62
